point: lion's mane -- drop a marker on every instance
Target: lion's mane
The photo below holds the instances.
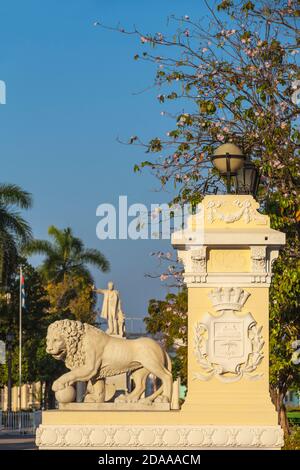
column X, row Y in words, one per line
column 72, row 332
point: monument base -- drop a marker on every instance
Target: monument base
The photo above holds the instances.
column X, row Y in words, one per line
column 136, row 430
column 115, row 406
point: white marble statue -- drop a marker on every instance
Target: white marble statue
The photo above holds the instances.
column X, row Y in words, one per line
column 112, row 311
column 92, row 355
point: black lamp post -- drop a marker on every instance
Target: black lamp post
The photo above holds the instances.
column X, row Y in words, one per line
column 247, row 179
column 9, row 341
column 239, row 171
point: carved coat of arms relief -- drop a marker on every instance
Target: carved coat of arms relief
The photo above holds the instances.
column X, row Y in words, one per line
column 228, row 345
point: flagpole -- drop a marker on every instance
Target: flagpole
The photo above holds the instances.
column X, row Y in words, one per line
column 20, row 344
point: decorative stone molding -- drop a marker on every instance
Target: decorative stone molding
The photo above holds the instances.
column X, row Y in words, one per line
column 115, row 406
column 233, row 279
column 259, row 259
column 228, row 298
column 196, row 279
column 158, row 437
column 246, row 211
column 198, row 270
column 198, row 258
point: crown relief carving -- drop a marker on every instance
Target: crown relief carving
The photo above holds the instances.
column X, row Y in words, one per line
column 228, row 298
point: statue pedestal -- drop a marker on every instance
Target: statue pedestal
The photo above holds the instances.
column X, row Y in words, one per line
column 149, row 430
column 111, row 406
column 227, row 254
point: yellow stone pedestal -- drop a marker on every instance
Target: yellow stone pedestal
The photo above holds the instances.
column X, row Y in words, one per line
column 227, row 252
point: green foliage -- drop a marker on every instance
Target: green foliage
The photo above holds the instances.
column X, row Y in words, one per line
column 66, row 255
column 224, row 5
column 235, row 79
column 292, row 442
column 167, row 320
column 72, row 297
column 36, row 363
column 14, row 230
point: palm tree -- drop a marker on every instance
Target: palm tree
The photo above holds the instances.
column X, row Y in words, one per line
column 65, row 256
column 14, row 230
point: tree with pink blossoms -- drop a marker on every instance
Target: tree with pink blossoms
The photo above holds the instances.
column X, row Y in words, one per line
column 235, row 76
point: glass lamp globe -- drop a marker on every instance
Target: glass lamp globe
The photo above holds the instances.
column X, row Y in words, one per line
column 228, row 158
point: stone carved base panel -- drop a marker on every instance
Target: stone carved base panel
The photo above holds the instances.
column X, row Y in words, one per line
column 158, row 437
column 119, row 406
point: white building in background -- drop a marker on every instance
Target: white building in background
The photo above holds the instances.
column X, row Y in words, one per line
column 30, row 397
column 292, row 399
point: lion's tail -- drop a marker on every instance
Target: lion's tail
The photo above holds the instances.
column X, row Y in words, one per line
column 169, row 362
column 168, row 366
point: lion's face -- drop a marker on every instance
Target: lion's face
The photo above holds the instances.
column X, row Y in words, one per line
column 56, row 345
column 64, row 342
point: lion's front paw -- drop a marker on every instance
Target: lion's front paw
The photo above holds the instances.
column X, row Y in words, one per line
column 57, row 386
column 89, row 398
column 121, row 399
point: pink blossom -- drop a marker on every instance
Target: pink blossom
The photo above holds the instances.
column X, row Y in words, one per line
column 163, row 277
column 144, row 39
column 186, row 33
column 220, row 137
column 278, row 165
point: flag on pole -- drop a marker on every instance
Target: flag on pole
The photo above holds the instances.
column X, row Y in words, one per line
column 22, row 291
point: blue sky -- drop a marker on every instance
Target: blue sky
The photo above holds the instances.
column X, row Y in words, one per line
column 71, row 91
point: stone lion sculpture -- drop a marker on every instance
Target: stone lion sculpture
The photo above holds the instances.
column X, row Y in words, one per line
column 92, row 355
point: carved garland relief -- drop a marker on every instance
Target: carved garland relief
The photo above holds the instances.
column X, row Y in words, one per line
column 245, row 211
